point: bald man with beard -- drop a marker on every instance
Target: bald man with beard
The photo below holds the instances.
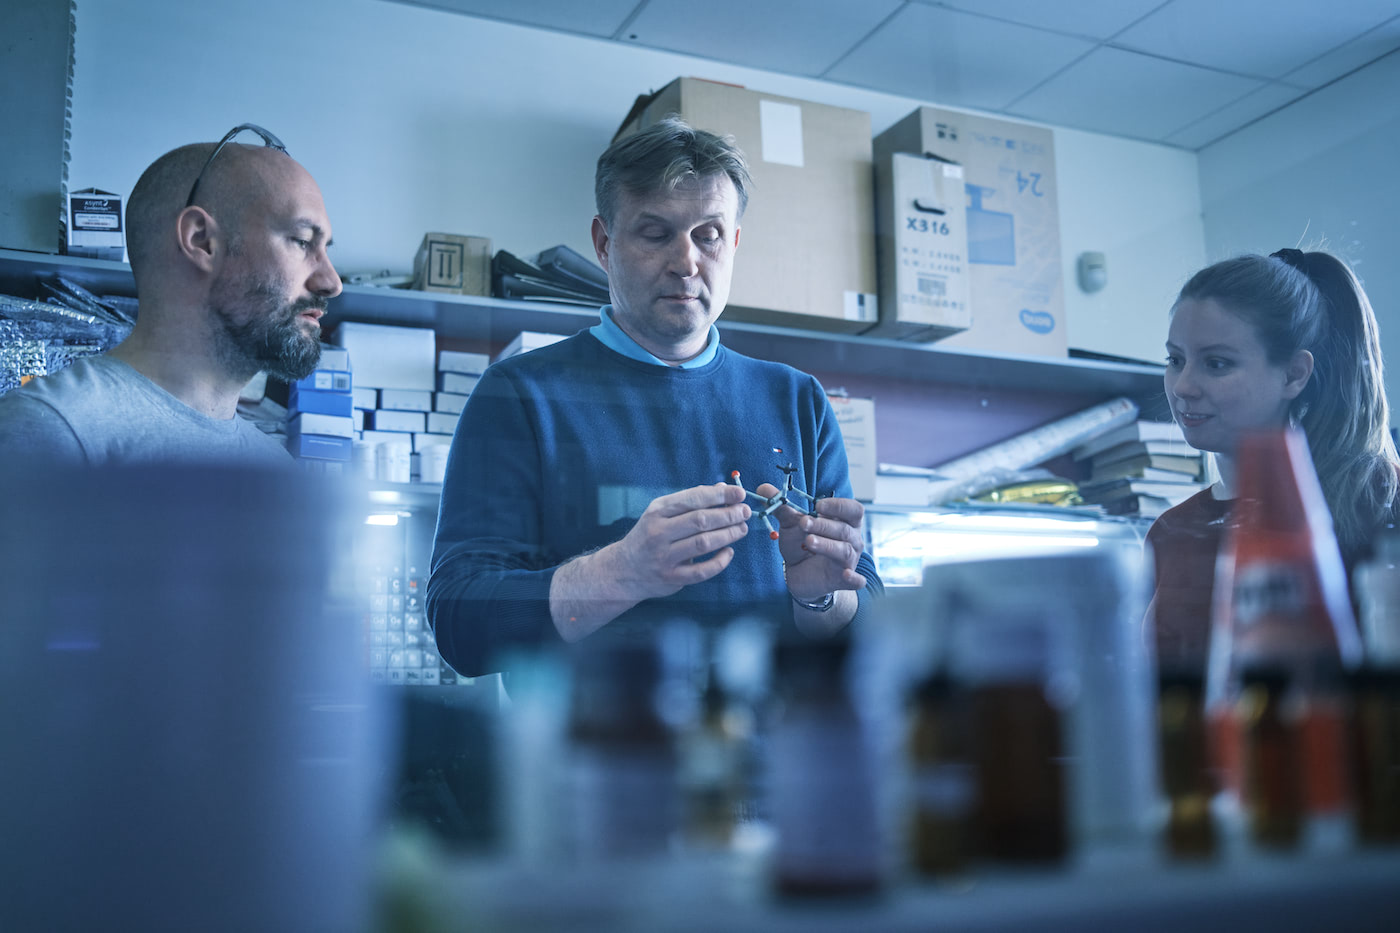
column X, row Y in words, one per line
column 228, row 246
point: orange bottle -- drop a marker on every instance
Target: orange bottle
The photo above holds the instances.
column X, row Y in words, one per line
column 1281, row 602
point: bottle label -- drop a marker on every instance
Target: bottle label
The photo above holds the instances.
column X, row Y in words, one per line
column 1268, row 589
column 947, row 790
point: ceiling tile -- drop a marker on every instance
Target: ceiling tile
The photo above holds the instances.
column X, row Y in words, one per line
column 1098, row 19
column 1268, row 38
column 1375, row 44
column 1113, row 91
column 594, row 18
column 1232, row 116
column 760, row 33
column 942, row 55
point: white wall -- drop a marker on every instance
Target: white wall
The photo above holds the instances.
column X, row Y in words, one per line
column 1322, row 172
column 415, row 120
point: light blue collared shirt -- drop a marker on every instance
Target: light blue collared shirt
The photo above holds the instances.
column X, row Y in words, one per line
column 615, row 338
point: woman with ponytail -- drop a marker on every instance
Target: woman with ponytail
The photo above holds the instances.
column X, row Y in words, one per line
column 1258, row 342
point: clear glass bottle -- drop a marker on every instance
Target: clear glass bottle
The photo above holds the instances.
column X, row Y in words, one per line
column 822, row 788
column 710, row 760
column 622, row 754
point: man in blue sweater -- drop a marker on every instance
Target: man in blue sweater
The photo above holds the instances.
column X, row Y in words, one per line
column 586, row 483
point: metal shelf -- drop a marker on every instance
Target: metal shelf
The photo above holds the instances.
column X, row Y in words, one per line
column 496, row 321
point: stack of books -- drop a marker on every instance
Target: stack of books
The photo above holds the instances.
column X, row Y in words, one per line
column 1142, row 468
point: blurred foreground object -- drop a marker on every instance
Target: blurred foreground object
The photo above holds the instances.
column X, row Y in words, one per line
column 190, row 740
column 1282, row 617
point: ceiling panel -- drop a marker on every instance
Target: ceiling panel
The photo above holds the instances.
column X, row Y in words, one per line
column 1097, row 19
column 1268, row 38
column 1113, row 91
column 942, row 55
column 1375, row 44
column 593, row 17
column 760, row 33
column 1231, row 117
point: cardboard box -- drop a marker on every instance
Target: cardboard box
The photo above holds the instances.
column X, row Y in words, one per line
column 453, row 263
column 456, row 384
column 452, row 403
column 430, row 440
column 458, row 361
column 406, row 399
column 921, row 247
column 440, row 422
column 1015, row 284
column 319, row 447
column 524, row 342
column 95, row 227
column 317, row 402
column 325, row 380
column 389, row 357
column 332, row 357
column 856, row 416
column 807, row 253
column 412, row 422
column 324, row 425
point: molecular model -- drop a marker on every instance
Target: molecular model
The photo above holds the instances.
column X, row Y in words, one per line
column 784, row 496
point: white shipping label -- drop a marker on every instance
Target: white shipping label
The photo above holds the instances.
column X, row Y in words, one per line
column 780, row 127
column 860, row 306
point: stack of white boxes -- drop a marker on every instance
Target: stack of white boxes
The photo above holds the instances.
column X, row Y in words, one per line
column 320, row 420
column 393, row 394
column 457, row 374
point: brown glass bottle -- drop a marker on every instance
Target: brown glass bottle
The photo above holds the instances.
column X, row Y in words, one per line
column 1376, row 741
column 1273, row 794
column 1186, row 776
column 943, row 783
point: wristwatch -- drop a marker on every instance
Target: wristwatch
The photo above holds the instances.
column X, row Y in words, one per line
column 822, row 605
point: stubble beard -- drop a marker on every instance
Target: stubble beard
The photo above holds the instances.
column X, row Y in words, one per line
column 260, row 333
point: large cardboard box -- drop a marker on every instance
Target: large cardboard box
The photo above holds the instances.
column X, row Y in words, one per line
column 921, row 247
column 807, row 252
column 1015, row 285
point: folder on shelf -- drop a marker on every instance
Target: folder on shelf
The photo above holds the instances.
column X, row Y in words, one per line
column 513, row 277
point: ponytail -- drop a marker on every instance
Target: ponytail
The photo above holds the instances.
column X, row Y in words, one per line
column 1344, row 410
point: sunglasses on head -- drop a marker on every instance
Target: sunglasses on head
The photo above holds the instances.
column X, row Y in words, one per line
column 269, row 141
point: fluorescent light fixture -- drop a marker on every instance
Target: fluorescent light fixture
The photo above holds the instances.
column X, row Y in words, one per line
column 385, row 518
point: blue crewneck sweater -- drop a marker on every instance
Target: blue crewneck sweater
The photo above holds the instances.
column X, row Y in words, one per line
column 561, row 449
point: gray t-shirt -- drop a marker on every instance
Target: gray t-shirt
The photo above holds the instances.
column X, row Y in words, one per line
column 100, row 410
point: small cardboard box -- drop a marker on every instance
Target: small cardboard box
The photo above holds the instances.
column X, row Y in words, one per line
column 807, row 253
column 524, row 342
column 856, row 416
column 406, row 399
column 95, row 227
column 453, row 263
column 408, row 422
column 323, row 425
column 458, row 361
column 317, row 402
column 1015, row 284
column 922, row 248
